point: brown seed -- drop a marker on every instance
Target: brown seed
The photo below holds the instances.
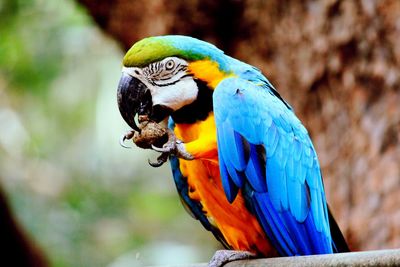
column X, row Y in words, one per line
column 152, row 134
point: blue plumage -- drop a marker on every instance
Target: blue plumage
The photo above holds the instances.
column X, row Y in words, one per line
column 256, row 168
column 284, row 176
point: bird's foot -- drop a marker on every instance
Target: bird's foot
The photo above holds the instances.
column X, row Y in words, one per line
column 173, row 146
column 152, row 135
column 222, row 257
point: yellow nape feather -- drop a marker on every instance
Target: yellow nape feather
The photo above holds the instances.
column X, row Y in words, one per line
column 208, row 71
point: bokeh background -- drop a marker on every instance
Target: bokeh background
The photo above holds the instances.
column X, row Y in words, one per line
column 83, row 200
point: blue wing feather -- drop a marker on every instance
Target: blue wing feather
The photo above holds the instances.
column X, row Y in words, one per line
column 233, row 161
column 234, row 146
column 279, row 229
column 228, row 184
column 256, row 169
column 286, row 190
column 276, row 183
column 271, row 140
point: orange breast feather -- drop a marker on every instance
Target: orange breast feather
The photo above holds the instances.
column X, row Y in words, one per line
column 239, row 227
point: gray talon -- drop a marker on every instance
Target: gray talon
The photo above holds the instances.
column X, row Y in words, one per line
column 160, row 160
column 222, row 257
column 174, row 147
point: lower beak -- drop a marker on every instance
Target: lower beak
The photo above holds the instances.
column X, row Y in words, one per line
column 133, row 98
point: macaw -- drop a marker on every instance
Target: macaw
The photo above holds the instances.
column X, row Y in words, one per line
column 242, row 162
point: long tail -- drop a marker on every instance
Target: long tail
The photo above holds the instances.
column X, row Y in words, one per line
column 339, row 244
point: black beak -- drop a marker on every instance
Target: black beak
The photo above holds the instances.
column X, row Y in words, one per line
column 133, row 98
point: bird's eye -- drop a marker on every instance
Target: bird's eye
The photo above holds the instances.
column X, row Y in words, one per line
column 169, row 65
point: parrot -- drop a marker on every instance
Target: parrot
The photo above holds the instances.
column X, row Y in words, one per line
column 242, row 162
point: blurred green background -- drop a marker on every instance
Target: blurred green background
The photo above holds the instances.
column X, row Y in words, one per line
column 84, row 199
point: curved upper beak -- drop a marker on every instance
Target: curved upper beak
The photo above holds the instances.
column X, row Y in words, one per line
column 133, row 98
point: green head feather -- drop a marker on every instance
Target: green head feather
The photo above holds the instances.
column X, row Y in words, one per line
column 153, row 49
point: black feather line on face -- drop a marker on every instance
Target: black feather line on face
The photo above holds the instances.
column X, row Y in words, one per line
column 197, row 110
column 160, row 112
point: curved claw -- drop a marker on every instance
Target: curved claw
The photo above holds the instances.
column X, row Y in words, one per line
column 173, row 147
column 125, row 137
column 161, row 149
column 155, row 164
column 122, row 141
column 160, row 160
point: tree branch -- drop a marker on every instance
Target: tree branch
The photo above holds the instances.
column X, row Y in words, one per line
column 390, row 257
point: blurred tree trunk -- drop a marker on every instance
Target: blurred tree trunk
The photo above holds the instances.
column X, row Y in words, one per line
column 17, row 248
column 337, row 63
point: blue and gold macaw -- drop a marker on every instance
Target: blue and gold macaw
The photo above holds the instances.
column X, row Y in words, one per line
column 243, row 163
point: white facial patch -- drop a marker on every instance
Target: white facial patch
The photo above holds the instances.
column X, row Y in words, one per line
column 176, row 95
column 168, row 81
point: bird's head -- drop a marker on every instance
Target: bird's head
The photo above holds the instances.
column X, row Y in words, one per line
column 163, row 75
